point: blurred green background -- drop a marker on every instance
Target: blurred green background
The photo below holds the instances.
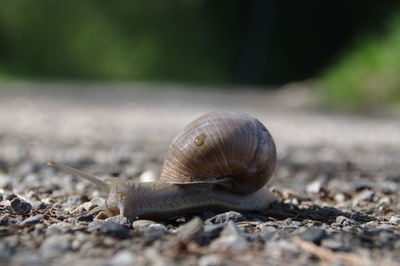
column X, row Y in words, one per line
column 351, row 49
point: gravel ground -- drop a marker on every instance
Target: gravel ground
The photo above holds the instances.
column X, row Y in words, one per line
column 337, row 179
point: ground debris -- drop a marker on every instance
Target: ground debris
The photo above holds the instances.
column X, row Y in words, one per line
column 337, row 181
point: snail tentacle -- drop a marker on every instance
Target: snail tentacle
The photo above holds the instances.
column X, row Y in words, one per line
column 104, row 187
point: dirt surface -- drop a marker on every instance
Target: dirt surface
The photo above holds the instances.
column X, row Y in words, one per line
column 337, row 178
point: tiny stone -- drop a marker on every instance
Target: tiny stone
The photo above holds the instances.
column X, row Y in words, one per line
column 58, row 228
column 314, row 187
column 313, row 234
column 365, row 195
column 85, row 218
column 230, row 239
column 212, row 231
column 10, row 196
column 290, row 228
column 268, row 228
column 20, row 206
column 138, row 225
column 147, row 176
column 90, row 205
column 118, row 219
column 334, row 244
column 384, row 201
column 4, row 219
column 33, row 220
column 340, row 197
column 157, row 228
column 190, row 230
column 226, row 217
column 38, row 205
column 60, row 217
column 385, row 227
column 111, row 228
column 123, row 258
column 344, row 220
column 149, row 228
column 394, row 220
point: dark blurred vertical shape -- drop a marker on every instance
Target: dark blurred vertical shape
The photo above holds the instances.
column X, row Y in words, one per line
column 255, row 44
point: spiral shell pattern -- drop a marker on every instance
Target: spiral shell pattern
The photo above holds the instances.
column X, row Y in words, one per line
column 222, row 146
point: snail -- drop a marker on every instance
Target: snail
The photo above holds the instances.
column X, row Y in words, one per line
column 221, row 161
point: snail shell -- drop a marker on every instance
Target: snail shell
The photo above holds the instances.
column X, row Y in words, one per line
column 230, row 147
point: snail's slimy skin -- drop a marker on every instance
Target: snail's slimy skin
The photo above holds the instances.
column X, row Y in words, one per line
column 158, row 200
column 220, row 161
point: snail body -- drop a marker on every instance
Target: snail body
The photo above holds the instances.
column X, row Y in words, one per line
column 221, row 161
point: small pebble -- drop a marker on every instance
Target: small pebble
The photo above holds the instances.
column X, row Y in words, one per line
column 267, row 227
column 231, row 239
column 4, row 219
column 148, row 176
column 10, row 196
column 334, row 244
column 90, row 205
column 149, row 228
column 313, row 234
column 212, row 231
column 58, row 228
column 384, row 201
column 85, row 218
column 123, row 258
column 340, row 197
column 20, row 206
column 139, row 225
column 365, row 195
column 111, row 228
column 314, row 187
column 33, row 220
column 344, row 220
column 38, row 205
column 119, row 219
column 385, row 227
column 394, row 220
column 190, row 230
column 226, row 217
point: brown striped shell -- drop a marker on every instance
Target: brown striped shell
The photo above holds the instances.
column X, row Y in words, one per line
column 228, row 148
